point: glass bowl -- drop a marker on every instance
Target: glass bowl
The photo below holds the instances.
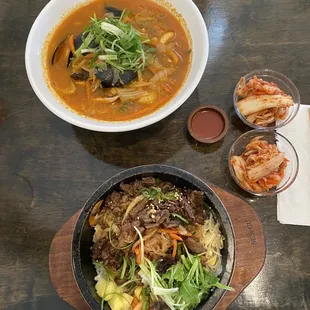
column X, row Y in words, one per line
column 284, row 83
column 283, row 145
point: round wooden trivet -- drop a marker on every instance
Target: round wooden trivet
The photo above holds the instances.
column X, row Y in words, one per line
column 250, row 253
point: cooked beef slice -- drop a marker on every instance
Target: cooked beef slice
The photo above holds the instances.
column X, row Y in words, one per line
column 194, row 245
column 164, row 264
column 104, row 252
column 159, row 305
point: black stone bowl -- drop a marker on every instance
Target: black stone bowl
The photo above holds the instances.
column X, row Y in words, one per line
column 84, row 270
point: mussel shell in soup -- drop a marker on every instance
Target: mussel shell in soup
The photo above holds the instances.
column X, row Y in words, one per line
column 90, row 73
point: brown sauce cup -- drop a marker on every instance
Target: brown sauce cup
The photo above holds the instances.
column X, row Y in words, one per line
column 207, row 124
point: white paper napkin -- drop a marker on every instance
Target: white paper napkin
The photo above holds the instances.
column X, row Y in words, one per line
column 294, row 203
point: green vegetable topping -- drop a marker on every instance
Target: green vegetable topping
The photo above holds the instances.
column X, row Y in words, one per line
column 184, row 285
column 145, row 301
column 132, row 268
column 114, row 42
column 180, row 217
column 124, row 268
column 156, row 193
column 175, row 273
column 102, row 304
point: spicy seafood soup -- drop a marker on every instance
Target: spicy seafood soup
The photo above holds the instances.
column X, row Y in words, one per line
column 118, row 60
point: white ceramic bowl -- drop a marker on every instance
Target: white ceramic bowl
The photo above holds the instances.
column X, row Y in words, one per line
column 51, row 15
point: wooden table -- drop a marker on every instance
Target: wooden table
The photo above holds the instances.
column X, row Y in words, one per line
column 48, row 168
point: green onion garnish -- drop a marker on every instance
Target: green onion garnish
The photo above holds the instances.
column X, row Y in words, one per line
column 115, row 43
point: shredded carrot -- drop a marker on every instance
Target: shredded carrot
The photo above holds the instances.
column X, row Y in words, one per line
column 149, row 43
column 175, row 246
column 88, row 89
column 134, row 302
column 137, row 250
column 139, row 259
column 127, row 20
column 138, row 254
column 83, row 83
column 138, row 306
column 176, row 237
column 152, row 69
column 169, row 231
column 71, row 44
column 90, row 55
column 166, row 87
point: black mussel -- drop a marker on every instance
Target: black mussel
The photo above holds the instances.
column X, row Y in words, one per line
column 128, row 76
column 116, row 12
column 56, row 51
column 61, row 58
column 105, row 76
column 62, row 54
column 93, row 44
column 83, row 75
column 78, row 41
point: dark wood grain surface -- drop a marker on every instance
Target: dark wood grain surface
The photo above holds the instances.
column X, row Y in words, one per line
column 48, row 167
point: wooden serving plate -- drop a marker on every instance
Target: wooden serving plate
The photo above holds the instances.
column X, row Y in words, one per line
column 249, row 259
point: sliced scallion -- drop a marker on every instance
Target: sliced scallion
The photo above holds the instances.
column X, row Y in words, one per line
column 124, row 268
column 116, row 43
column 180, row 217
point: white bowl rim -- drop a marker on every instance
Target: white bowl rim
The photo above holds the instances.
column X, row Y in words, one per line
column 103, row 126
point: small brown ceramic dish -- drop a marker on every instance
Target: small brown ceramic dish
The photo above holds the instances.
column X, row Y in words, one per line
column 207, row 124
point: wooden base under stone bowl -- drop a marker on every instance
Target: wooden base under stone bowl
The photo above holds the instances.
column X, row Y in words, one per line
column 249, row 257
